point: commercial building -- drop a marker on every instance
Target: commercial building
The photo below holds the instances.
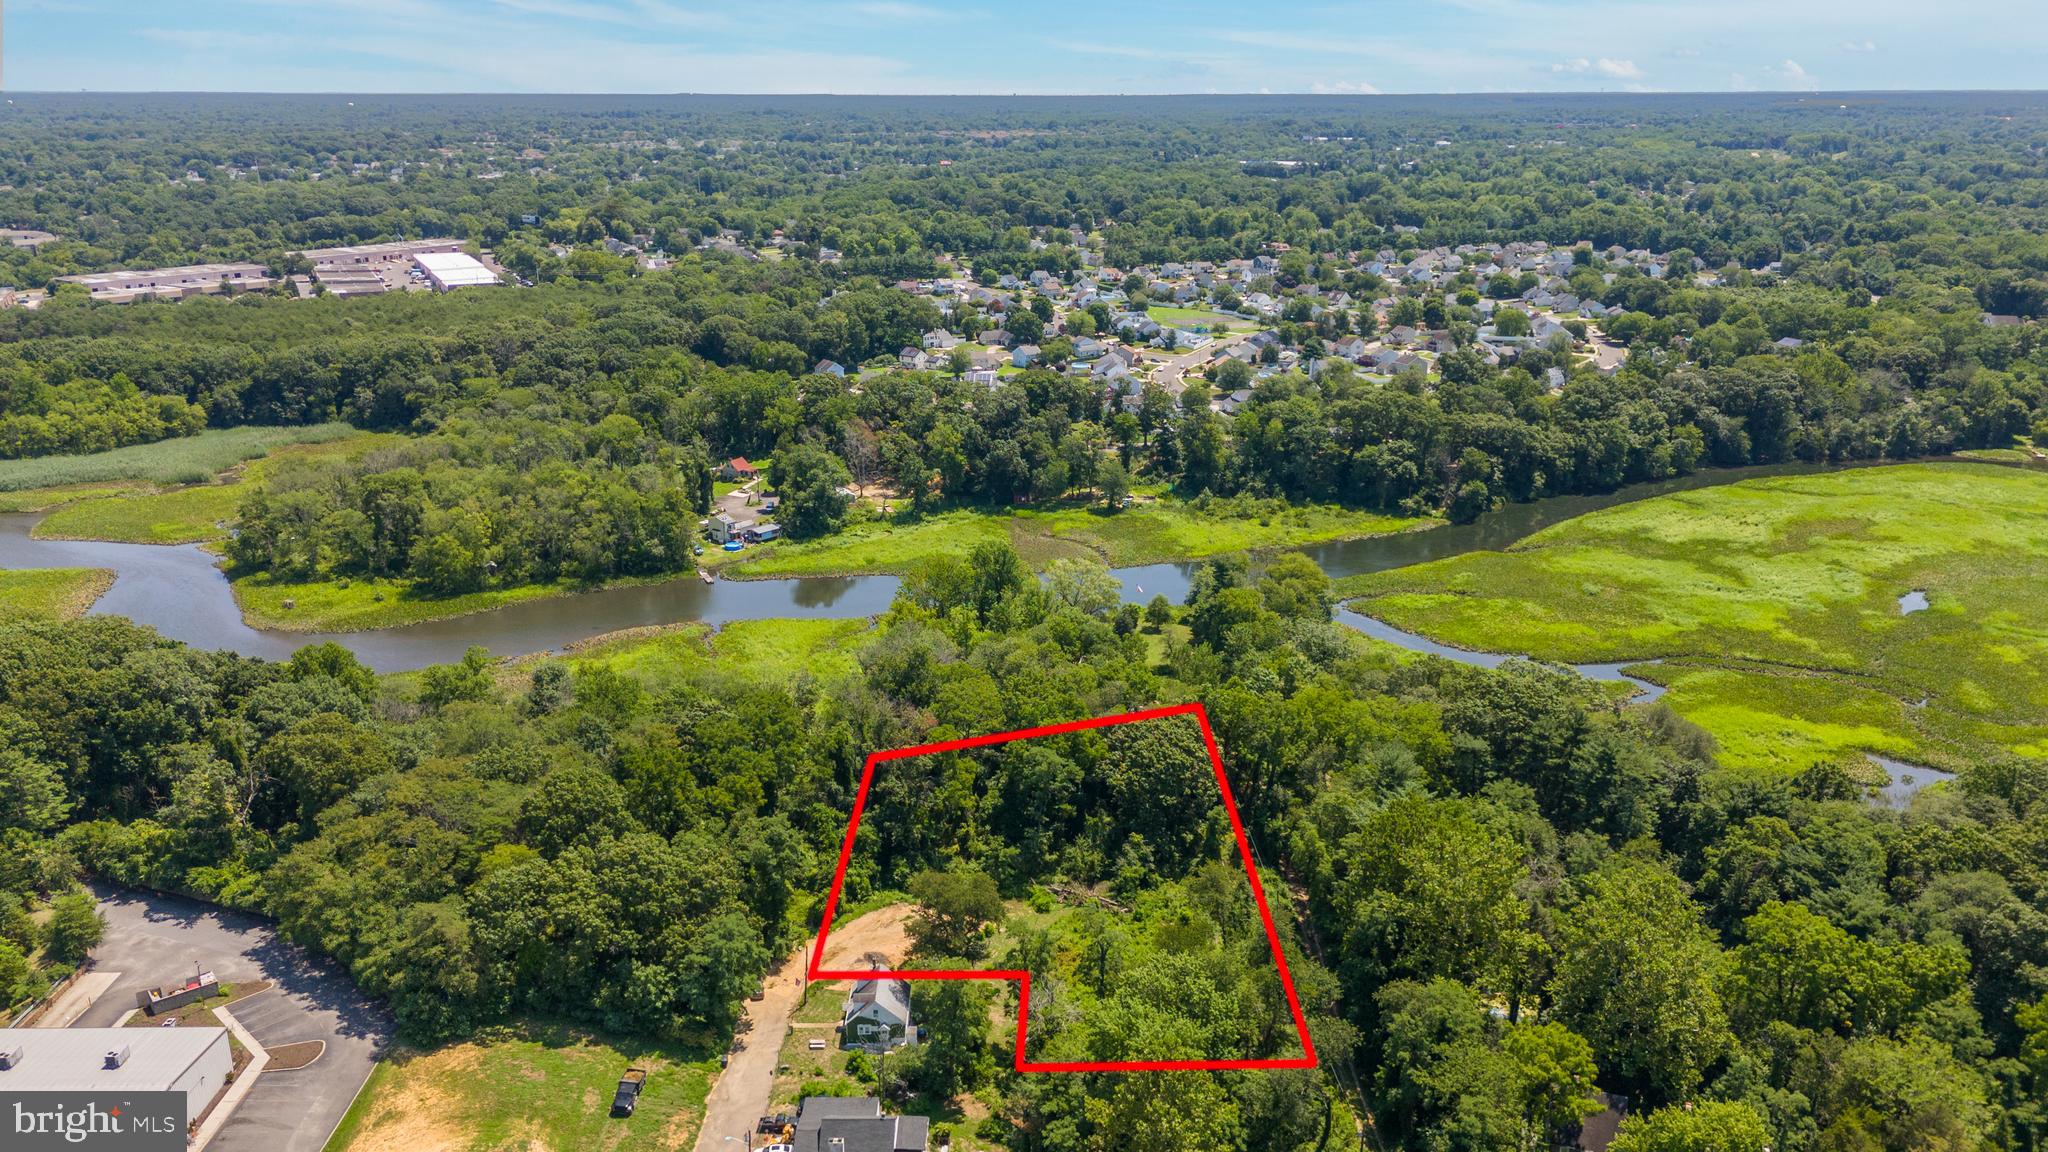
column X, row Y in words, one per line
column 172, row 283
column 385, row 253
column 192, row 1060
column 448, row 270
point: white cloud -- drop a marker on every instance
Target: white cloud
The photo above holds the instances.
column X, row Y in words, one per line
column 898, row 10
column 1789, row 74
column 1605, row 66
column 1859, row 46
column 1343, row 88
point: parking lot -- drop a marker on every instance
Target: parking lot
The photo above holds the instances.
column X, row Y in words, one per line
column 153, row 939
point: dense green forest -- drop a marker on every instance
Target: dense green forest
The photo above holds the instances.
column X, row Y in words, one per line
column 1501, row 892
column 1508, row 877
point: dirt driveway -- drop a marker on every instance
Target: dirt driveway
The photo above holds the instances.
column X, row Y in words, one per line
column 741, row 1096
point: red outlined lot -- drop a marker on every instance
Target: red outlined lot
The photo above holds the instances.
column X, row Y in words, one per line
column 817, row 971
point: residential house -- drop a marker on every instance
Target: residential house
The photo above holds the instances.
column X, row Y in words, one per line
column 1089, row 348
column 723, row 529
column 1228, row 405
column 856, row 1124
column 738, row 470
column 829, row 368
column 939, row 340
column 876, row 1016
column 983, row 376
column 1023, row 355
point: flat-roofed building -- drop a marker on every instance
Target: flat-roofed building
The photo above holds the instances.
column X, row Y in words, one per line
column 172, row 283
column 350, row 280
column 192, row 1060
column 447, row 270
column 384, row 253
column 27, row 237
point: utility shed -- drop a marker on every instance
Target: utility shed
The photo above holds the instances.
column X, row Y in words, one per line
column 448, row 270
column 192, row 1060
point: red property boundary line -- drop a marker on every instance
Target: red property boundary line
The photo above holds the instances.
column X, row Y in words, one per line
column 1023, row 978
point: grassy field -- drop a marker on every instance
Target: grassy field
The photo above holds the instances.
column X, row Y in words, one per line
column 767, row 651
column 180, row 516
column 548, row 1090
column 45, row 593
column 1190, row 317
column 360, row 605
column 1781, row 598
column 187, row 460
column 1149, row 533
column 44, row 499
column 139, row 513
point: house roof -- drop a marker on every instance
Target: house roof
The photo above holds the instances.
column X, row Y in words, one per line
column 892, row 996
column 856, row 1124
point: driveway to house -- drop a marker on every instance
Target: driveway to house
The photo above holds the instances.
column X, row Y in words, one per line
column 746, row 1086
column 152, row 940
column 1170, row 368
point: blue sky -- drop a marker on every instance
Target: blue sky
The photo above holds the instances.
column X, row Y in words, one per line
column 1022, row 46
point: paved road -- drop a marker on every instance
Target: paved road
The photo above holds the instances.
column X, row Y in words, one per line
column 1170, row 368
column 153, row 939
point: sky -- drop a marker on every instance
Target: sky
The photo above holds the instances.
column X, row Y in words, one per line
column 1021, row 46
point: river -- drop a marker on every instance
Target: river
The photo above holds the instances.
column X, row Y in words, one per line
column 180, row 591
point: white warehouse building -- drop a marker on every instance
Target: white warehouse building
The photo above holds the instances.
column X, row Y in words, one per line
column 446, row 270
column 195, row 1061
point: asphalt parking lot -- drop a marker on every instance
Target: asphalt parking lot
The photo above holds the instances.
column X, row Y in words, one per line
column 153, row 939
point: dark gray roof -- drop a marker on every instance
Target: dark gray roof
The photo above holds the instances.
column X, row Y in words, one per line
column 856, row 1124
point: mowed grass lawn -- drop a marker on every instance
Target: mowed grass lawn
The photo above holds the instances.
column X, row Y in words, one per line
column 1206, row 317
column 549, row 1091
column 1156, row 532
column 50, row 593
column 1781, row 598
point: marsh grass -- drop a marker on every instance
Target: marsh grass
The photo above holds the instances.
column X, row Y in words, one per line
column 1155, row 532
column 1796, row 579
column 186, row 460
column 51, row 593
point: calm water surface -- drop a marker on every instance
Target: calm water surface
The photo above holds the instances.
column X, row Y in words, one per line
column 179, row 590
